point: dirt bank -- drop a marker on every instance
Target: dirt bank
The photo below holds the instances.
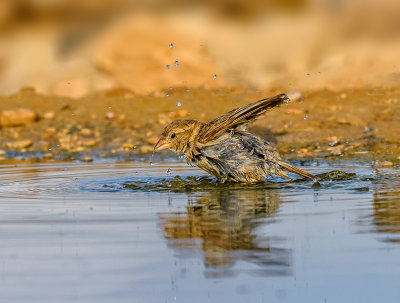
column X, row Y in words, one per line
column 350, row 123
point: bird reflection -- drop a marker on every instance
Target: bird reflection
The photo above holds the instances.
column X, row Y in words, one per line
column 225, row 225
column 387, row 210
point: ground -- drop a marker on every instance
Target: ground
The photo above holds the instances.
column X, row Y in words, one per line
column 348, row 123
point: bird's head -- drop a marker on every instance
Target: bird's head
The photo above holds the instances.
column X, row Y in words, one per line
column 176, row 136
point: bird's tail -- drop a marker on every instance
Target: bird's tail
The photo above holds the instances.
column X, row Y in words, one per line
column 296, row 170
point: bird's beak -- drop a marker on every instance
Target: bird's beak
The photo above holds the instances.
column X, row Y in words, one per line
column 161, row 145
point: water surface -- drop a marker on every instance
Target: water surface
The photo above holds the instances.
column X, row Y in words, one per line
column 135, row 232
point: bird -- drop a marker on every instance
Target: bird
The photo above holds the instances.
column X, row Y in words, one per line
column 224, row 147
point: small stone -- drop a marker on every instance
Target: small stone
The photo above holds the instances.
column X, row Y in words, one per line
column 111, row 115
column 87, row 159
column 387, row 164
column 15, row 117
column 343, row 95
column 86, row 132
column 2, row 152
column 88, row 142
column 122, row 118
column 51, row 130
column 78, row 149
column 21, row 144
column 128, row 146
column 49, row 115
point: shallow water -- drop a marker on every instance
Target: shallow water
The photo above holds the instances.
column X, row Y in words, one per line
column 135, row 232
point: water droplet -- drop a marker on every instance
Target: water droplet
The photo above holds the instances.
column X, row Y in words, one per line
column 134, row 147
column 167, row 66
column 188, row 90
column 179, row 104
column 152, row 164
column 171, row 45
column 171, row 113
column 308, row 75
column 109, row 106
column 72, row 114
column 319, row 73
column 214, row 76
column 167, row 95
column 176, row 63
column 305, row 117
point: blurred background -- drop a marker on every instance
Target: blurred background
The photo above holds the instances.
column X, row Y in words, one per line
column 75, row 47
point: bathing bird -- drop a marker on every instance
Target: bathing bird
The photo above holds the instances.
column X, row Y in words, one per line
column 224, row 148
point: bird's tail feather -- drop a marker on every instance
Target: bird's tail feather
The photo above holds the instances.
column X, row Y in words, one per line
column 296, row 170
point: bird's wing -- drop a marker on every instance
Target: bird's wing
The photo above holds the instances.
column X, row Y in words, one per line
column 239, row 116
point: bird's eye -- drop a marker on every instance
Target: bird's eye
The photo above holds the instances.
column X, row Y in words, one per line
column 172, row 135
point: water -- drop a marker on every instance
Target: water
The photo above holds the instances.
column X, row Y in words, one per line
column 131, row 232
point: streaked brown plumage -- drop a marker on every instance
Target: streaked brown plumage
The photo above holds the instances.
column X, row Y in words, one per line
column 224, row 148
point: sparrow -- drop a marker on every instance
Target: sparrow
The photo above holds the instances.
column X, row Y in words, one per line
column 224, row 148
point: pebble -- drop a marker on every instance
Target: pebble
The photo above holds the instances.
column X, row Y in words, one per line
column 51, row 130
column 87, row 159
column 86, row 132
column 387, row 164
column 15, row 117
column 20, row 144
column 49, row 115
column 128, row 146
column 111, row 115
column 88, row 142
column 2, row 152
